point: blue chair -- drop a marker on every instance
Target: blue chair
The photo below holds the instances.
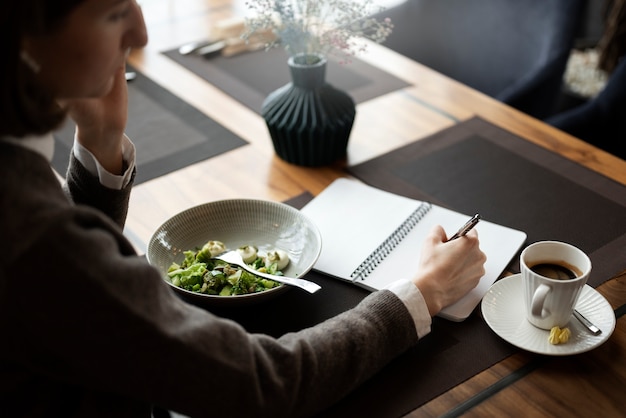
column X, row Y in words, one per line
column 600, row 121
column 513, row 50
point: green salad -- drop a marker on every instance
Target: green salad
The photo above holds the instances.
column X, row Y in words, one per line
column 200, row 273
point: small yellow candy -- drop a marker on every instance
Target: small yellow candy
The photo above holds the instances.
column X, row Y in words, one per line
column 554, row 335
column 558, row 335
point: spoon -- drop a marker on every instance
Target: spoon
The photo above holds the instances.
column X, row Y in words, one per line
column 587, row 323
column 233, row 257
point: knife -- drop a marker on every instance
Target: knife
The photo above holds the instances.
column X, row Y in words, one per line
column 193, row 47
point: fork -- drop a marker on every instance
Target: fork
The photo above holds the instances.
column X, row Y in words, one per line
column 233, row 257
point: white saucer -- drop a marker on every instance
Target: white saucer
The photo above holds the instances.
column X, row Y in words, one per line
column 504, row 312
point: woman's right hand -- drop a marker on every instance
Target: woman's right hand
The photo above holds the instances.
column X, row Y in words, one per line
column 448, row 269
column 100, row 123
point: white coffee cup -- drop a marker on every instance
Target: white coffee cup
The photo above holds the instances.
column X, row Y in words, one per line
column 549, row 300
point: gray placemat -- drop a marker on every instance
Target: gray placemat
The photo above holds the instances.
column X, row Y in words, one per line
column 450, row 354
column 475, row 166
column 251, row 76
column 168, row 133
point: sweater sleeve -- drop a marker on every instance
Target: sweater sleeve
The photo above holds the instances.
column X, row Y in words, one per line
column 84, row 188
column 106, row 178
column 103, row 320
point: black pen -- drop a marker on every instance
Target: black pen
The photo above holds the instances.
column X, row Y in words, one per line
column 466, row 228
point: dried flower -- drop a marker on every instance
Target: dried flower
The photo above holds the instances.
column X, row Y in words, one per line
column 317, row 27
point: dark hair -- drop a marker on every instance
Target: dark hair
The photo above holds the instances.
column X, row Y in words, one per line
column 26, row 108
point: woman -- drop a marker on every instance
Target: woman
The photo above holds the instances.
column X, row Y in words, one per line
column 89, row 328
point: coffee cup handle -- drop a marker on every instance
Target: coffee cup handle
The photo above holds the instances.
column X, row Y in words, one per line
column 539, row 299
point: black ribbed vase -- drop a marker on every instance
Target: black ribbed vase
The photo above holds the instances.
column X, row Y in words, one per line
column 308, row 119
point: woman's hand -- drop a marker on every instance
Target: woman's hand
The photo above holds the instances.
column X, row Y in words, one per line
column 448, row 270
column 100, row 123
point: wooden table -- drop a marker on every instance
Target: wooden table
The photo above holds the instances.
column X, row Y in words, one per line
column 590, row 384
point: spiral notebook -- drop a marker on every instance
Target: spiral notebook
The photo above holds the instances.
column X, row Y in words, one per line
column 371, row 238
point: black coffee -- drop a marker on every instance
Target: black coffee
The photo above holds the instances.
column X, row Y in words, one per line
column 556, row 271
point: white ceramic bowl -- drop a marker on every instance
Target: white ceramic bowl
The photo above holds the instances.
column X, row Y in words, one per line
column 236, row 222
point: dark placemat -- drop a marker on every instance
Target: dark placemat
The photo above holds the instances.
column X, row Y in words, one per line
column 168, row 133
column 450, row 354
column 475, row 166
column 251, row 76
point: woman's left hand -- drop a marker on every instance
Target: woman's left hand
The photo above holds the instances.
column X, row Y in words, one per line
column 101, row 122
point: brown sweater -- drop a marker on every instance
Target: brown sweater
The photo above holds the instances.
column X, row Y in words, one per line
column 89, row 329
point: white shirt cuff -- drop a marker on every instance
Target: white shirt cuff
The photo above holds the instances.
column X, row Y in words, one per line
column 412, row 298
column 112, row 181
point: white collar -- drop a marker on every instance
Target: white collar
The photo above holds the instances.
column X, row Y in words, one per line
column 43, row 145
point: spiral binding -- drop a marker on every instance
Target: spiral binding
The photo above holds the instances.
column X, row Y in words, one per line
column 391, row 242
